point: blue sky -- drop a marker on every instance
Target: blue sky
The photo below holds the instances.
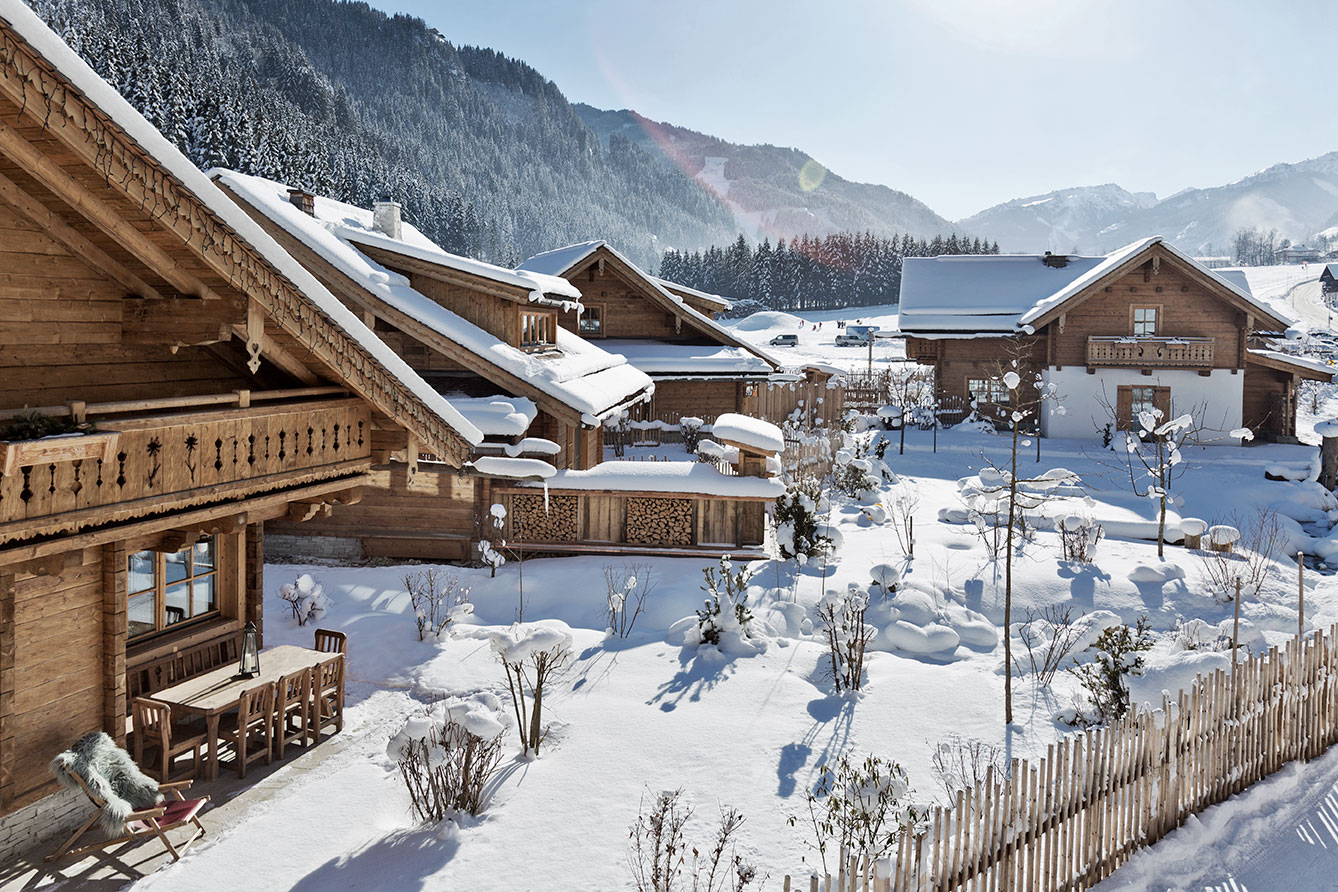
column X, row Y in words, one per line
column 961, row 103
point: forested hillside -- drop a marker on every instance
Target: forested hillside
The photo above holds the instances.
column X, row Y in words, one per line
column 841, row 270
column 485, row 154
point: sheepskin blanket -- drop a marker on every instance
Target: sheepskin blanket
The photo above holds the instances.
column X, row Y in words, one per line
column 111, row 774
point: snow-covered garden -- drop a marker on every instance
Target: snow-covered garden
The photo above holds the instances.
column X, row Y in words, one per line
column 739, row 684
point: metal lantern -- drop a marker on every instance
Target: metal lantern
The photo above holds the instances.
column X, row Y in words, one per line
column 248, row 666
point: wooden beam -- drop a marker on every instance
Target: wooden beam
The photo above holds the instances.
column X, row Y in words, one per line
column 300, row 512
column 53, row 565
column 81, row 199
column 180, row 321
column 24, row 204
column 275, row 354
column 176, row 539
column 446, row 274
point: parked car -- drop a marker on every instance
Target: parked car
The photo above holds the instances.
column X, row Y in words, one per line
column 852, row 340
column 785, row 340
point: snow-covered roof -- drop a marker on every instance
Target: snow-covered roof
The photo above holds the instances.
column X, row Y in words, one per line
column 744, row 430
column 562, row 260
column 1236, row 277
column 513, row 468
column 723, row 303
column 669, row 357
column 98, row 92
column 1010, row 292
column 683, row 477
column 577, row 373
column 496, row 416
column 1304, row 363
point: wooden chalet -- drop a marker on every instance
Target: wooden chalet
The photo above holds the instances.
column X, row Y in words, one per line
column 1144, row 327
column 489, row 339
column 200, row 384
column 700, row 368
column 1328, row 281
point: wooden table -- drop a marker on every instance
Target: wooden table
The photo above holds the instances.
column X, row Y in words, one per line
column 220, row 691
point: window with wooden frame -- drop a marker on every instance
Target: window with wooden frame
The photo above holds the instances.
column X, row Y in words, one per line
column 166, row 589
column 592, row 321
column 988, row 390
column 1144, row 321
column 1132, row 401
column 537, row 330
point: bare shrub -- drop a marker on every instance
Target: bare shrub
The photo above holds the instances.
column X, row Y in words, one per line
column 691, row 430
column 530, row 655
column 437, row 598
column 306, row 598
column 1049, row 636
column 1078, row 537
column 657, row 853
column 1260, row 543
column 963, row 763
column 842, row 617
column 627, row 587
column 447, row 755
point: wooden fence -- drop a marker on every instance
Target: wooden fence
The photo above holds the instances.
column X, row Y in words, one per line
column 1098, row 796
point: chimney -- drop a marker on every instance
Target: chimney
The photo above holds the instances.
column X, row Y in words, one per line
column 304, row 201
column 386, row 218
column 1055, row 261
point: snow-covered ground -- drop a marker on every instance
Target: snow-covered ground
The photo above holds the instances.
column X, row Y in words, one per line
column 641, row 715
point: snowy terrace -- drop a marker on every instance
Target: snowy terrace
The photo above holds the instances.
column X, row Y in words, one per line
column 663, row 359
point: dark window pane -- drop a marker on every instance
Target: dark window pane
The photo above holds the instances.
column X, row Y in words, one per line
column 177, row 568
column 178, row 603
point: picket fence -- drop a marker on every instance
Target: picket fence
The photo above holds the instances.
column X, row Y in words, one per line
column 1098, row 796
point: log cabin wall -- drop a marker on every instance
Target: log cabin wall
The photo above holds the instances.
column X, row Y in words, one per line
column 1269, row 401
column 494, row 315
column 628, row 312
column 961, row 359
column 1185, row 309
column 697, row 398
column 60, row 333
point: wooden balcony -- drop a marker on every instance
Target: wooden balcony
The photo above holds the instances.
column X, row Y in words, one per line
column 205, row 452
column 1191, row 353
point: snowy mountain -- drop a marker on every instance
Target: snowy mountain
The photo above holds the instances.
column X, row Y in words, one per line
column 1298, row 200
column 1064, row 221
column 771, row 191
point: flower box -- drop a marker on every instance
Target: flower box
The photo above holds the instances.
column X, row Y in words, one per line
column 15, row 454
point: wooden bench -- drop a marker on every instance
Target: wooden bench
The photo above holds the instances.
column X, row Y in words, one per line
column 144, row 680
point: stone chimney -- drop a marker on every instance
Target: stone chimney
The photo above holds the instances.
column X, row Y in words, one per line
column 386, row 218
column 304, row 201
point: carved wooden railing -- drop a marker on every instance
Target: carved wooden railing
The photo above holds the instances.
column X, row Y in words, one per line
column 168, row 462
column 1153, row 352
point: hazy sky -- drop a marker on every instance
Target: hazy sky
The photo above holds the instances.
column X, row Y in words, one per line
column 961, row 103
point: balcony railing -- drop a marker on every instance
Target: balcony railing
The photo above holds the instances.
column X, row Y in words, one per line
column 1158, row 352
column 166, row 462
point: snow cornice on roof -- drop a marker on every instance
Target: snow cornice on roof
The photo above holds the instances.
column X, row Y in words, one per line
column 401, row 394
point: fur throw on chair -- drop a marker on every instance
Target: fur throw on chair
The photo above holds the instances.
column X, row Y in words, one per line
column 111, row 775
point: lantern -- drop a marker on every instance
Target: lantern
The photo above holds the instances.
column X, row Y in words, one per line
column 248, row 666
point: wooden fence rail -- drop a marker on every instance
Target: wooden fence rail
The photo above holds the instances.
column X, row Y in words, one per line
column 1068, row 821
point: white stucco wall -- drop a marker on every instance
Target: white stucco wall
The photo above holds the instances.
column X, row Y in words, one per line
column 1218, row 396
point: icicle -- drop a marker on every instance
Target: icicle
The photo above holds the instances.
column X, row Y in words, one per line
column 545, row 482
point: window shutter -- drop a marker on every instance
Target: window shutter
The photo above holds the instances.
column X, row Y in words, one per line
column 1162, row 400
column 1124, row 408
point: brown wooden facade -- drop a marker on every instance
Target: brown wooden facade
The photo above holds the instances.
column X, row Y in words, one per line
column 1200, row 326
column 223, row 396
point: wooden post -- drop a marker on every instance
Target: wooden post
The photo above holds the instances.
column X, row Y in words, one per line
column 1235, row 628
column 910, row 536
column 1300, row 594
column 1328, row 462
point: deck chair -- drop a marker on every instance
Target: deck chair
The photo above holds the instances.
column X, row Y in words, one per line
column 130, row 806
column 331, row 642
column 327, row 697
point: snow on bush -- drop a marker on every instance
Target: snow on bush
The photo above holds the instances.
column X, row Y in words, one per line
column 886, row 577
column 725, row 620
column 448, row 753
column 1156, row 573
column 842, row 618
column 491, row 555
column 1119, row 654
column 797, row 514
column 690, row 428
column 1195, row 634
column 932, row 638
column 306, row 598
column 1078, row 536
column 964, row 764
column 627, row 588
column 860, row 810
column 530, row 653
column 438, row 599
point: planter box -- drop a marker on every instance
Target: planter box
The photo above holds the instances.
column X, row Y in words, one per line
column 15, row 454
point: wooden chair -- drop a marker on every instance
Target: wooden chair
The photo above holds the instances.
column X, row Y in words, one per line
column 155, row 731
column 293, row 702
column 127, row 824
column 327, row 697
column 252, row 725
column 328, row 642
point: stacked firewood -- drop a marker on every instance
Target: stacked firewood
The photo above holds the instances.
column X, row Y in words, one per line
column 533, row 521
column 659, row 521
